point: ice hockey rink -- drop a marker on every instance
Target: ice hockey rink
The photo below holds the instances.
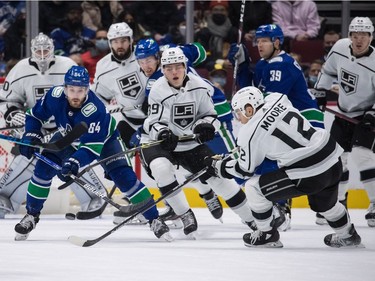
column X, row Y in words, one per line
column 133, row 253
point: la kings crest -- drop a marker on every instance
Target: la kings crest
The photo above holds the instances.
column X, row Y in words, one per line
column 130, row 85
column 39, row 91
column 348, row 81
column 183, row 114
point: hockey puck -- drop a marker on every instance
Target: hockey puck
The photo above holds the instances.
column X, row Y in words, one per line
column 70, row 216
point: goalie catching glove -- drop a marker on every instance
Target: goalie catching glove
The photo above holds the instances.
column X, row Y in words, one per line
column 216, row 166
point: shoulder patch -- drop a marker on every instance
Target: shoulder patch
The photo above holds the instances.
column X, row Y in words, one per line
column 57, row 92
column 276, row 59
column 88, row 109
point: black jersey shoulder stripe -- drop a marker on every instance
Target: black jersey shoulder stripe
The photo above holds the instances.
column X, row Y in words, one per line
column 23, row 77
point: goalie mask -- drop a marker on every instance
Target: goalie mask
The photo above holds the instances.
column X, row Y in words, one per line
column 42, row 51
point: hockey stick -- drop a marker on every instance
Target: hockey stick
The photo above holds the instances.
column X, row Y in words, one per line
column 87, row 215
column 87, row 242
column 11, row 128
column 128, row 210
column 129, row 151
column 342, row 116
column 58, row 145
column 123, row 108
column 239, row 39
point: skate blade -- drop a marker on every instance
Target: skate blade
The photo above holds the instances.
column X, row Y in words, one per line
column 220, row 220
column 276, row 244
column 192, row 235
column 167, row 237
column 371, row 223
column 175, row 224
column 21, row 237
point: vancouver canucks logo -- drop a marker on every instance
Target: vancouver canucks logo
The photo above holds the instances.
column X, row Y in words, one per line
column 183, row 114
column 348, row 81
column 88, row 109
column 130, row 85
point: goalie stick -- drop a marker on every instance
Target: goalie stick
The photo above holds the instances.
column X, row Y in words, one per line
column 87, row 242
column 58, row 145
column 132, row 150
column 87, row 215
column 128, row 210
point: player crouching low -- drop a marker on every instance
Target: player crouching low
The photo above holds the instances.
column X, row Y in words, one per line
column 71, row 104
column 309, row 164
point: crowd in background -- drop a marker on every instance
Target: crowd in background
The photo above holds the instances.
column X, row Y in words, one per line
column 78, row 28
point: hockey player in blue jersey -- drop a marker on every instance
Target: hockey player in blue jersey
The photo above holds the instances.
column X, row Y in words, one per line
column 71, row 104
column 277, row 71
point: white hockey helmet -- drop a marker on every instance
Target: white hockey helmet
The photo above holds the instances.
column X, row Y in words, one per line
column 361, row 24
column 42, row 51
column 118, row 30
column 248, row 95
column 172, row 56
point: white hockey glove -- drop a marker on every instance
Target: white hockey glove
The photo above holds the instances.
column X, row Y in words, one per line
column 216, row 166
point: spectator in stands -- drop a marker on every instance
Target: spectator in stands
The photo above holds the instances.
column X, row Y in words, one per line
column 139, row 32
column 330, row 37
column 299, row 19
column 100, row 14
column 256, row 14
column 94, row 54
column 218, row 77
column 312, row 73
column 219, row 33
column 55, row 15
column 15, row 38
column 72, row 37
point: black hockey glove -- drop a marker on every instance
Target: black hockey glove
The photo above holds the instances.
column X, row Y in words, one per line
column 216, row 166
column 169, row 140
column 321, row 97
column 69, row 167
column 205, row 132
column 30, row 137
column 368, row 121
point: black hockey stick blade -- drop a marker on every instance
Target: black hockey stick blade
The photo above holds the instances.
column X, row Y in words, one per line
column 87, row 215
column 58, row 145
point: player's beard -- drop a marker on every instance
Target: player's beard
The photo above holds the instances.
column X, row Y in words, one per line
column 122, row 56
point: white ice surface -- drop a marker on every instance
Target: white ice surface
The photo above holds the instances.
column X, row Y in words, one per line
column 133, row 253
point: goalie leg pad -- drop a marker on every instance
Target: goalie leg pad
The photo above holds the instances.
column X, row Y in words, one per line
column 14, row 182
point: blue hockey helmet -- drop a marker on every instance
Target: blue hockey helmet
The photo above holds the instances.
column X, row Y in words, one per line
column 272, row 31
column 77, row 76
column 146, row 48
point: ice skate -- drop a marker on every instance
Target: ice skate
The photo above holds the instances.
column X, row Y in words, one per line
column 252, row 225
column 119, row 217
column 263, row 239
column 370, row 216
column 320, row 220
column 282, row 220
column 25, row 226
column 214, row 205
column 171, row 218
column 161, row 230
column 349, row 240
column 190, row 223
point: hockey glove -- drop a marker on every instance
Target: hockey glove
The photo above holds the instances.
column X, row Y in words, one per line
column 321, row 97
column 216, row 166
column 69, row 167
column 14, row 117
column 204, row 131
column 368, row 121
column 238, row 53
column 135, row 138
column 169, row 140
column 30, row 137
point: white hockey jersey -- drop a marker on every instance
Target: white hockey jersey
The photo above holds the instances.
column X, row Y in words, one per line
column 25, row 84
column 279, row 132
column 356, row 78
column 124, row 82
column 179, row 109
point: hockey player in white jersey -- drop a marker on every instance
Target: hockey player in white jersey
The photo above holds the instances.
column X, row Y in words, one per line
column 352, row 62
column 25, row 84
column 118, row 77
column 308, row 159
column 180, row 104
